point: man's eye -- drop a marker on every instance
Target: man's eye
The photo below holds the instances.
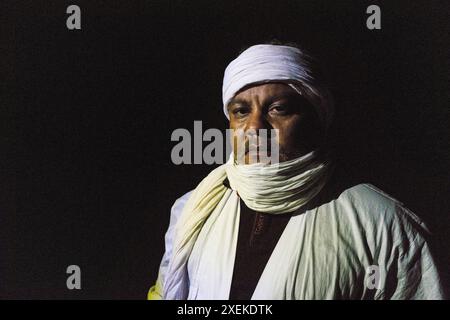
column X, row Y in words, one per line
column 240, row 111
column 279, row 109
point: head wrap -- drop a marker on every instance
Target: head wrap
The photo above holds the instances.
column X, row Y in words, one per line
column 266, row 63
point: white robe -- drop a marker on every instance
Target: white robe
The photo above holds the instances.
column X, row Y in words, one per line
column 362, row 245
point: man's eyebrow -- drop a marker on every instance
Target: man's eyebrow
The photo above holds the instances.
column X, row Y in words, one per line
column 270, row 99
column 235, row 101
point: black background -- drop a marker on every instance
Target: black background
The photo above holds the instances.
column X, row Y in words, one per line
column 87, row 178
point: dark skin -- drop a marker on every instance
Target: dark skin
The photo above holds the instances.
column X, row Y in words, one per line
column 277, row 106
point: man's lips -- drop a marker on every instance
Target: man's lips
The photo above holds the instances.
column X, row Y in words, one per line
column 256, row 149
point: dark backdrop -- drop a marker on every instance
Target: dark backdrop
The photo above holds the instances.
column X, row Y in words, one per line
column 87, row 178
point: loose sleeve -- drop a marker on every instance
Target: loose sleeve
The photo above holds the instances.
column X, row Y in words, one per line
column 414, row 272
column 156, row 291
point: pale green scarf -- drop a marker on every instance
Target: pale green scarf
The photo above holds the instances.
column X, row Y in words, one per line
column 274, row 188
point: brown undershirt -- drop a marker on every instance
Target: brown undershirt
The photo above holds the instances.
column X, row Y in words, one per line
column 257, row 238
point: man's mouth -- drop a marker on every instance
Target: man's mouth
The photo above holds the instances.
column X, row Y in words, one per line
column 255, row 150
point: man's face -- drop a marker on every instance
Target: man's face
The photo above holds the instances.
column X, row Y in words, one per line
column 276, row 106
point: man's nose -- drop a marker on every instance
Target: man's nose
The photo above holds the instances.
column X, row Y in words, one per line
column 257, row 121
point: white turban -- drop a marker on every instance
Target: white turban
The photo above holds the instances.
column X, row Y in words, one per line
column 275, row 63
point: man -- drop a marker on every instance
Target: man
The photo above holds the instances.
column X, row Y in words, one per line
column 288, row 230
